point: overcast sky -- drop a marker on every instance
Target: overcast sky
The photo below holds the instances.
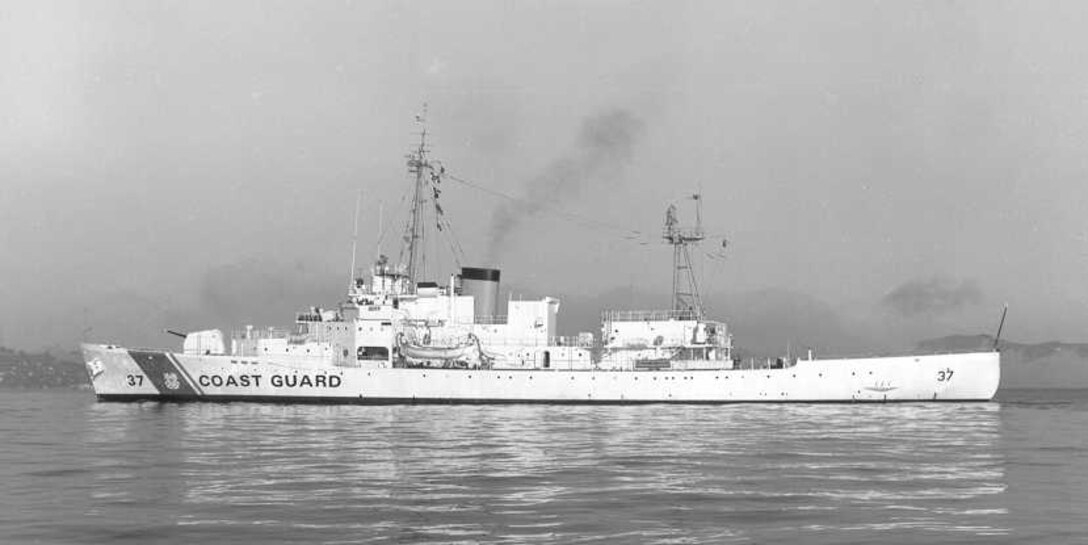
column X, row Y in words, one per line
column 910, row 164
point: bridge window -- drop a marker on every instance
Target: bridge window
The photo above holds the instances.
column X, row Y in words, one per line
column 372, row 353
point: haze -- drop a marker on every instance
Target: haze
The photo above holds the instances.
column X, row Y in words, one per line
column 884, row 171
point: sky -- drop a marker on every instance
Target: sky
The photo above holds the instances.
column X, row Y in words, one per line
column 883, row 171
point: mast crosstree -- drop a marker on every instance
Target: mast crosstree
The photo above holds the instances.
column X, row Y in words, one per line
column 685, row 287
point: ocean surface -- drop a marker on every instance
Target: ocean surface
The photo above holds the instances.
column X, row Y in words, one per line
column 74, row 470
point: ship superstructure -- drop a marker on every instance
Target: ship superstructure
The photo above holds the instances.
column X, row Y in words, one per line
column 400, row 337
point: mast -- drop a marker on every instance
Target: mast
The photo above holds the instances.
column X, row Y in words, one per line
column 354, row 240
column 1000, row 326
column 685, row 288
column 425, row 213
column 415, row 238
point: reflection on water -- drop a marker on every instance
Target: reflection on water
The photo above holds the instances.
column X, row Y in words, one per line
column 521, row 474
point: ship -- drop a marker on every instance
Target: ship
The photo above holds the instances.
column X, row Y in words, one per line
column 398, row 337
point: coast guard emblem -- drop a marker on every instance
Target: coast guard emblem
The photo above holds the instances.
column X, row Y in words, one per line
column 170, row 380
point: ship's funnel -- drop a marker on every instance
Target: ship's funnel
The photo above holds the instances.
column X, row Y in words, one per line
column 483, row 286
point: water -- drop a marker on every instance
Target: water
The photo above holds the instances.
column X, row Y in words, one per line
column 78, row 471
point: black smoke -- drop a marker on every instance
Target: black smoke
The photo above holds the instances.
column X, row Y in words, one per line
column 605, row 141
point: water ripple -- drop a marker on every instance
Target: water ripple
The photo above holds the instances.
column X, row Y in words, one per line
column 252, row 473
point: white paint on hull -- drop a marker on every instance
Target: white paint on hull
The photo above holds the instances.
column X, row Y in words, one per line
column 116, row 374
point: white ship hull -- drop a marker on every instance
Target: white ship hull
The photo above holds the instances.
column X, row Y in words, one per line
column 398, row 337
column 122, row 374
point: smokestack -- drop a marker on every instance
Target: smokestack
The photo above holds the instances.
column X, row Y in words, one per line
column 483, row 286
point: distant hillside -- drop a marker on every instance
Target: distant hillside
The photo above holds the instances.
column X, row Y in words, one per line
column 1043, row 365
column 24, row 370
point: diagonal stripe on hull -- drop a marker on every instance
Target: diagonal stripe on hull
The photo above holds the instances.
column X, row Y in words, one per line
column 162, row 373
column 185, row 373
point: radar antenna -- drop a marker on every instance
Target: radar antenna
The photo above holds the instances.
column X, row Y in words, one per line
column 685, row 288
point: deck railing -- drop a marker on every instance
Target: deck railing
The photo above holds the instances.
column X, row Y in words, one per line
column 648, row 315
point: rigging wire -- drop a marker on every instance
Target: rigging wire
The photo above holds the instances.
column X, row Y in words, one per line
column 455, row 244
column 631, row 235
column 439, row 173
column 400, row 207
column 443, row 223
